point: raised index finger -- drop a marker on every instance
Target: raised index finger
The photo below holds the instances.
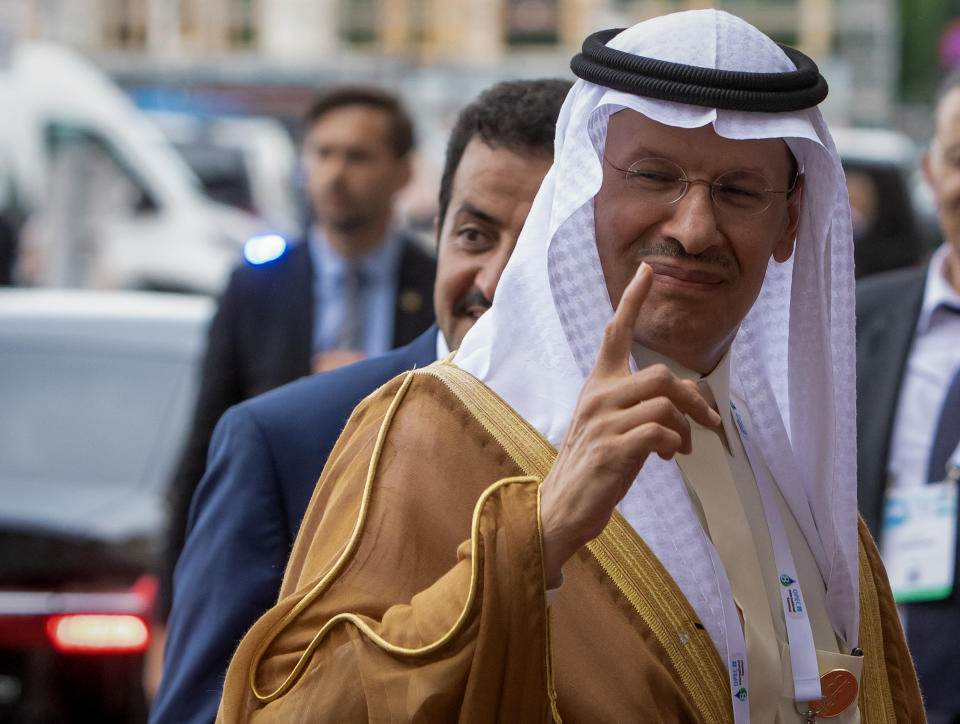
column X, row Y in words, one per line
column 618, row 336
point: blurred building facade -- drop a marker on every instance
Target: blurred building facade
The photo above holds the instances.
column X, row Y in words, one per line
column 286, row 41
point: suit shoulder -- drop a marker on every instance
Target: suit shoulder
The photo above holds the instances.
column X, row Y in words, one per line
column 327, row 395
column 414, row 253
column 294, row 260
column 878, row 288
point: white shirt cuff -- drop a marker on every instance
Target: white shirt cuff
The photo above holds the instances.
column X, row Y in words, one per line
column 552, row 592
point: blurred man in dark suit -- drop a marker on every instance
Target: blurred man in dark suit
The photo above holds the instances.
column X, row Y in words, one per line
column 353, row 286
column 908, row 394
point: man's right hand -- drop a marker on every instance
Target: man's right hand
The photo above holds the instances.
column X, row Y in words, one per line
column 620, row 418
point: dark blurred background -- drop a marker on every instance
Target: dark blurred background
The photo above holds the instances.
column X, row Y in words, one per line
column 225, row 82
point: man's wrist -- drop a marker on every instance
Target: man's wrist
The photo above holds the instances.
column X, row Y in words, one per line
column 557, row 547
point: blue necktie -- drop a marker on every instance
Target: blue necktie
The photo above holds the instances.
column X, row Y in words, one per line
column 948, row 432
column 350, row 335
column 933, row 628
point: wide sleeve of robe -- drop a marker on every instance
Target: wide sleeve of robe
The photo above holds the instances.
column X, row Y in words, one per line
column 415, row 589
column 415, row 592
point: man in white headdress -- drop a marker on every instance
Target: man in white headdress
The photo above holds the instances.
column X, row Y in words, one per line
column 630, row 496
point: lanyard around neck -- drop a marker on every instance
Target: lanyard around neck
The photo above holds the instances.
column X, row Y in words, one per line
column 737, row 672
column 803, row 652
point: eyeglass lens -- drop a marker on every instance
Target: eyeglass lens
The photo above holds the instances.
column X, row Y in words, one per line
column 663, row 181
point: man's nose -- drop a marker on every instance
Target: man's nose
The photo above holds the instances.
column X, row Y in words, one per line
column 333, row 167
column 693, row 222
column 489, row 274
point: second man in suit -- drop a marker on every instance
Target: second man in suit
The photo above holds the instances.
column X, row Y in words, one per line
column 352, row 286
column 267, row 453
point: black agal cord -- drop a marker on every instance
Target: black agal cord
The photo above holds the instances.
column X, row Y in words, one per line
column 729, row 89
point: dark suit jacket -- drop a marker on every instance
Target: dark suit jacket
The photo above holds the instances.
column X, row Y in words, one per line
column 265, row 458
column 261, row 338
column 887, row 308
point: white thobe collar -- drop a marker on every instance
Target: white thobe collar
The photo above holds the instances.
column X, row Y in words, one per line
column 717, row 380
column 442, row 348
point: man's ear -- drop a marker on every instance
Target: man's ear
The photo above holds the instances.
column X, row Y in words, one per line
column 404, row 172
column 436, row 230
column 927, row 164
column 784, row 247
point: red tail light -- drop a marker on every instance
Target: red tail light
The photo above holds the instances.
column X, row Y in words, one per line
column 88, row 622
column 98, row 633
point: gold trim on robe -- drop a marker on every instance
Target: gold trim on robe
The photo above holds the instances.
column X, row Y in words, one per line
column 619, row 551
column 620, row 642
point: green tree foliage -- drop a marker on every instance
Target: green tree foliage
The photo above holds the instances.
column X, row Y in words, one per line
column 923, row 23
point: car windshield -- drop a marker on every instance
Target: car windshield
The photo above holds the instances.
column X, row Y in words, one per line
column 89, row 417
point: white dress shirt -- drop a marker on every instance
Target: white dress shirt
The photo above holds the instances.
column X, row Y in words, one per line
column 933, row 361
column 380, row 268
column 442, row 349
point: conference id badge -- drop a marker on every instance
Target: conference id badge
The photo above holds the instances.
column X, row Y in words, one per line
column 919, row 541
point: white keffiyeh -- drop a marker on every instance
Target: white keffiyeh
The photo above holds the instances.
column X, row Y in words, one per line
column 792, row 360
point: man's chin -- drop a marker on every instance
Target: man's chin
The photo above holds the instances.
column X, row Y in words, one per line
column 461, row 326
column 343, row 219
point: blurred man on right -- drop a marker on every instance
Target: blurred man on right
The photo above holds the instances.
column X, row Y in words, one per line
column 908, row 385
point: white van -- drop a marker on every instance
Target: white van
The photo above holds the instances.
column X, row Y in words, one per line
column 245, row 161
column 110, row 202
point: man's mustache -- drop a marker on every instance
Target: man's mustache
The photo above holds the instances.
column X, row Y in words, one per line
column 673, row 249
column 474, row 298
column 336, row 187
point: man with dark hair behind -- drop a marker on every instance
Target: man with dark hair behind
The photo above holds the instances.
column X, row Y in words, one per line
column 267, row 453
column 399, row 131
column 353, row 286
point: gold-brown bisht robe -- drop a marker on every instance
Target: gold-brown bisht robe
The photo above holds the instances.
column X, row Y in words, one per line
column 415, row 591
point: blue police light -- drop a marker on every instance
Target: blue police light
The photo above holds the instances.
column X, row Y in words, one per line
column 264, row 249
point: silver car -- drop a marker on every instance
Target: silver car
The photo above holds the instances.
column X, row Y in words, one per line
column 96, row 390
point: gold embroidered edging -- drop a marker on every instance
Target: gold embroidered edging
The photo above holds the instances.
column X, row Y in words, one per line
column 551, row 689
column 348, row 551
column 621, row 554
column 875, row 700
column 322, row 584
column 522, row 443
column 657, row 599
column 509, row 430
